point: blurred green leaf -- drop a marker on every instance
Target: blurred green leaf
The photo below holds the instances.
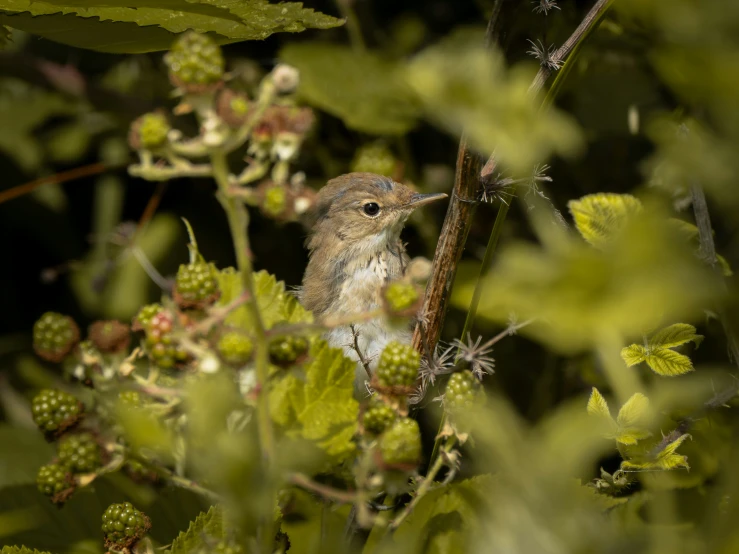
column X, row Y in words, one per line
column 361, row 88
column 147, row 433
column 23, row 451
column 69, row 142
column 599, row 217
column 202, row 535
column 657, row 353
column 465, row 86
column 576, row 295
column 133, row 26
column 598, row 406
column 20, row 550
column 23, row 108
column 665, row 459
column 632, row 419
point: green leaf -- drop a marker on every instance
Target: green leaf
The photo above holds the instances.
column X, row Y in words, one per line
column 24, row 451
column 20, row 550
column 599, row 217
column 321, row 408
column 674, row 335
column 631, row 420
column 276, row 305
column 666, row 459
column 465, row 86
column 202, row 534
column 668, row 362
column 634, row 354
column 597, row 405
column 360, row 88
column 135, row 26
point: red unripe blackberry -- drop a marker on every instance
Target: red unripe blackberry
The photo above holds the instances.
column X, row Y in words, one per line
column 54, row 336
column 143, row 318
column 110, row 336
column 163, row 349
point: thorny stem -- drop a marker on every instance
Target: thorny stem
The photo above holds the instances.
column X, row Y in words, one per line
column 428, row 482
column 587, row 25
column 708, row 253
column 238, row 220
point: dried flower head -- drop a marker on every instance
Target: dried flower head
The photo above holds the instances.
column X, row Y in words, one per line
column 477, row 354
column 545, row 6
column 545, row 55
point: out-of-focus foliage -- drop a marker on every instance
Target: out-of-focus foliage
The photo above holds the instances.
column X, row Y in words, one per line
column 130, row 27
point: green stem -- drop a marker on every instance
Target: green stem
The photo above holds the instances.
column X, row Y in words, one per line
column 238, row 220
column 352, row 25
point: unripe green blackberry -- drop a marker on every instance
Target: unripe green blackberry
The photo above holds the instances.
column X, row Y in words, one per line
column 195, row 63
column 53, row 480
column 139, row 473
column 228, row 547
column 54, row 410
column 143, row 318
column 400, row 445
column 233, row 107
column 374, row 158
column 287, row 350
column 378, row 416
column 130, row 398
column 235, row 348
column 161, row 345
column 462, row 391
column 401, row 298
column 110, row 336
column 149, row 131
column 398, row 366
column 124, row 525
column 79, row 453
column 196, row 285
column 54, row 336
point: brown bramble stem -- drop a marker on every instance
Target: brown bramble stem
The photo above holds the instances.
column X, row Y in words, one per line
column 62, row 177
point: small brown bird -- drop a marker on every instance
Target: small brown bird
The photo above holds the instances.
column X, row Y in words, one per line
column 355, row 249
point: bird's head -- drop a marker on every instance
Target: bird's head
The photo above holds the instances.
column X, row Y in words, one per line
column 363, row 210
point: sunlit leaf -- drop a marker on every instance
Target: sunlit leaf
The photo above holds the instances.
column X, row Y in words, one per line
column 631, row 420
column 361, row 88
column 465, row 86
column 202, row 534
column 634, row 354
column 132, row 26
column 666, row 459
column 599, row 217
column 674, row 335
column 597, row 405
column 669, row 363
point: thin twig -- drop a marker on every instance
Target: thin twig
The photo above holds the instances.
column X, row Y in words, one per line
column 325, row 491
column 63, row 177
column 355, row 346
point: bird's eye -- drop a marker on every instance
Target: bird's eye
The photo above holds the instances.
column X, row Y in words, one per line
column 371, row 209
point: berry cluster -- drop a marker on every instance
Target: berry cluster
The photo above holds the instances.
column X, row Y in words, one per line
column 195, row 63
column 228, row 547
column 124, row 525
column 287, row 350
column 54, row 480
column 54, row 336
column 54, row 411
column 378, row 416
column 398, row 367
column 400, row 445
column 196, row 285
column 79, row 453
column 130, row 398
column 235, row 348
column 149, row 131
column 462, row 391
column 163, row 349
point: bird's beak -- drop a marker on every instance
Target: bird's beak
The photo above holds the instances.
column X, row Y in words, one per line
column 418, row 200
